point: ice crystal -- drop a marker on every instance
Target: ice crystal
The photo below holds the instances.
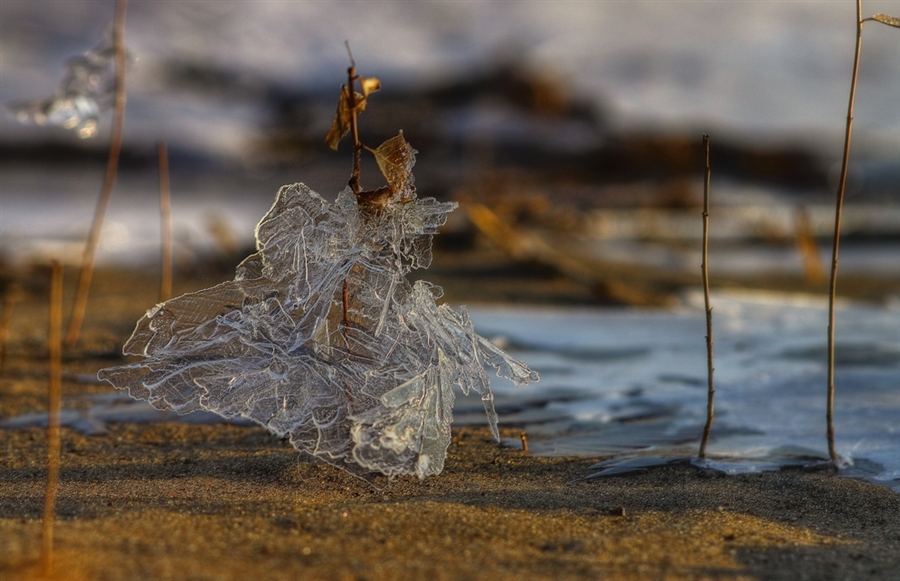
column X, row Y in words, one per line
column 86, row 90
column 370, row 391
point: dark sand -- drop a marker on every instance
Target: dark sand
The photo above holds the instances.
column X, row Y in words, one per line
column 178, row 501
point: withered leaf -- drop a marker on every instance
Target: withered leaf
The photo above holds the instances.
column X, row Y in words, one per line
column 887, row 19
column 341, row 124
column 369, row 85
column 395, row 159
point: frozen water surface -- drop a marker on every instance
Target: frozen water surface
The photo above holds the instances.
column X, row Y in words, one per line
column 632, row 384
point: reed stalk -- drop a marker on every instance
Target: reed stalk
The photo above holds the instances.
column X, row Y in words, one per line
column 9, row 302
column 165, row 219
column 704, row 269
column 842, row 184
column 54, row 342
column 832, row 289
column 112, row 165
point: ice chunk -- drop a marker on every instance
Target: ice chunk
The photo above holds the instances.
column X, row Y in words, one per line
column 371, row 391
column 86, row 90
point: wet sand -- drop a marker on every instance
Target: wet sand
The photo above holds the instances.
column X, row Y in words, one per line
column 179, row 501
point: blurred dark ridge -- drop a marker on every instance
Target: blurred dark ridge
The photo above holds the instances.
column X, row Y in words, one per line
column 67, row 155
column 513, row 118
column 506, row 117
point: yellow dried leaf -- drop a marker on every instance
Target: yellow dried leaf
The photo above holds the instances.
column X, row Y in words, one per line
column 369, row 85
column 341, row 124
column 359, row 102
column 395, row 159
column 887, row 19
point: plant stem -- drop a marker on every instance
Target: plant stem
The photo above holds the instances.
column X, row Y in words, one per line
column 9, row 303
column 345, row 303
column 832, row 291
column 165, row 218
column 704, row 269
column 354, row 126
column 115, row 147
column 354, row 174
column 53, row 446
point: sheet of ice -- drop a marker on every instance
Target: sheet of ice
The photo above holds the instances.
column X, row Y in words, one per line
column 320, row 338
column 626, row 383
column 90, row 414
column 631, row 385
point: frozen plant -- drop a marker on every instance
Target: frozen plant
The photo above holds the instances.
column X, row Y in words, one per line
column 320, row 337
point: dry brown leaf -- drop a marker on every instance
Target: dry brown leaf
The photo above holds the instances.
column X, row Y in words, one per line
column 395, row 159
column 341, row 124
column 369, row 85
column 887, row 19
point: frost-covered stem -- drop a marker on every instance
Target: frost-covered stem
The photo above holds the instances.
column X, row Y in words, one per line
column 704, row 268
column 115, row 147
column 55, row 361
column 832, row 291
column 165, row 218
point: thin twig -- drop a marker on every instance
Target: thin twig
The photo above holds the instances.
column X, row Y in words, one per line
column 115, row 147
column 345, row 300
column 524, row 437
column 165, row 218
column 832, row 290
column 357, row 155
column 9, row 302
column 54, row 342
column 704, row 268
column 354, row 126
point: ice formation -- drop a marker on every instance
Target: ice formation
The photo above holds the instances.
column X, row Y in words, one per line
column 87, row 89
column 368, row 391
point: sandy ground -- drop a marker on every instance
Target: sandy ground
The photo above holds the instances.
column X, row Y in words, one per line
column 179, row 501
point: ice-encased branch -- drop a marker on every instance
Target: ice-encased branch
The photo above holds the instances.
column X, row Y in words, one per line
column 372, row 396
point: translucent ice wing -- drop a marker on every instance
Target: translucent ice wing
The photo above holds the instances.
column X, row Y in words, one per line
column 171, row 326
column 412, row 227
column 259, row 346
column 451, row 332
column 300, row 233
column 507, row 367
column 410, row 430
column 296, row 207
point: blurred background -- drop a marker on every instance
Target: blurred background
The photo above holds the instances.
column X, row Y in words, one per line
column 570, row 133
